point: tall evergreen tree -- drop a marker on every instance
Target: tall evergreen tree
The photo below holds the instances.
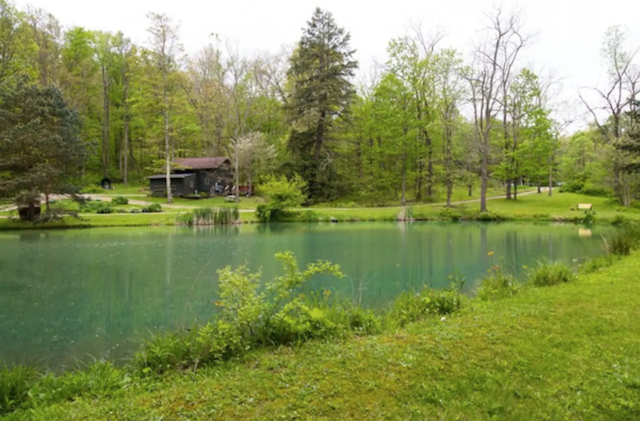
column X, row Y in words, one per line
column 321, row 92
column 40, row 146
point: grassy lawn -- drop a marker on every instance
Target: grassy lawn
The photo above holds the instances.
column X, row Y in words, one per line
column 570, row 352
column 539, row 207
column 96, row 220
column 245, row 203
column 531, row 206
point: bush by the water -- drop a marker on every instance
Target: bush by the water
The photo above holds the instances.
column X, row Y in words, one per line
column 249, row 316
column 625, row 240
column 281, row 194
column 497, row 284
column 411, row 307
column 548, row 273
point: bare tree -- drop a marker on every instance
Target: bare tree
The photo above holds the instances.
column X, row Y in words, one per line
column 613, row 102
column 165, row 47
column 494, row 61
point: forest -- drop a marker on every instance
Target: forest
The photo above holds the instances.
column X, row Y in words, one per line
column 427, row 121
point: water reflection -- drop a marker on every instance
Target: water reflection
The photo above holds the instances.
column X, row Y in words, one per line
column 66, row 294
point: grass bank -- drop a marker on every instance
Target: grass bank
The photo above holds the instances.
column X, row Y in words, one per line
column 560, row 207
column 569, row 351
column 531, row 207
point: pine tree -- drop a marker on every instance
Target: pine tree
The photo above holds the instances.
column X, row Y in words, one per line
column 40, row 147
column 321, row 92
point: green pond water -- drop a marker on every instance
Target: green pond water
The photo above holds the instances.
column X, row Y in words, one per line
column 67, row 295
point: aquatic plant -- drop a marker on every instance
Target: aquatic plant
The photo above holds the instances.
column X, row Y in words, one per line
column 209, row 216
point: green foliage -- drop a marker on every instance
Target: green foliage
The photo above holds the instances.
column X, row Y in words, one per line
column 281, row 194
column 40, row 146
column 321, row 92
column 250, row 317
column 15, row 384
column 210, row 216
column 589, row 218
column 624, row 241
column 497, row 284
column 120, row 200
column 98, row 379
column 548, row 273
column 154, row 208
column 411, row 307
column 597, row 263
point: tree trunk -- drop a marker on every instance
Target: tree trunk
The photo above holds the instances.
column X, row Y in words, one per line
column 125, row 165
column 404, row 170
column 105, row 123
column 508, row 189
column 550, row 183
column 484, row 184
column 237, row 171
column 167, row 151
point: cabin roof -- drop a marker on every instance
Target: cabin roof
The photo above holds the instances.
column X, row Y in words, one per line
column 162, row 176
column 201, row 163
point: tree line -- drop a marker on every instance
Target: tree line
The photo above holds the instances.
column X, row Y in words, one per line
column 429, row 121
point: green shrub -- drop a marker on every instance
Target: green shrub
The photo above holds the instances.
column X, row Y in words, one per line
column 550, row 273
column 135, row 210
column 619, row 220
column 497, row 284
column 449, row 214
column 490, row 216
column 105, row 208
column 410, row 307
column 250, row 316
column 281, row 194
column 589, row 218
column 574, row 186
column 120, row 200
column 15, row 384
column 154, row 208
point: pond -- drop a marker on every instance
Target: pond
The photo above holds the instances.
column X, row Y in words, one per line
column 68, row 294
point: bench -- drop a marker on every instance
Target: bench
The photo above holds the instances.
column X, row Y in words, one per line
column 585, row 206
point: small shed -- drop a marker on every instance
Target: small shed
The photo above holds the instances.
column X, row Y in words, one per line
column 181, row 184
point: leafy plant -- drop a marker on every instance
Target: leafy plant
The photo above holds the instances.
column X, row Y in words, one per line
column 410, row 307
column 15, row 383
column 550, row 273
column 497, row 284
column 281, row 194
column 120, row 200
column 154, row 208
column 589, row 218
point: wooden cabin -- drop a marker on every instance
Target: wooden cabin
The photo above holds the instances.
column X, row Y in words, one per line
column 196, row 177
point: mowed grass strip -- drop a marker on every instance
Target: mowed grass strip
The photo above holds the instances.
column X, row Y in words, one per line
column 565, row 352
